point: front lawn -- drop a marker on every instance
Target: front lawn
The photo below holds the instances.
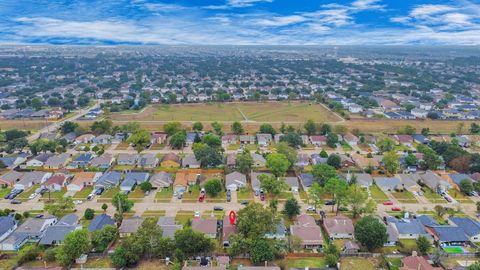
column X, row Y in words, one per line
column 4, row 192
column 377, row 194
column 192, row 194
column 153, row 213
column 433, row 197
column 122, row 146
column 346, row 147
column 109, row 193
column 233, row 147
column 137, row 194
column 216, row 214
column 184, row 216
column 404, row 197
column 245, row 194
column 24, row 195
column 285, row 195
column 54, row 195
column 82, row 194
column 221, row 197
column 314, row 262
column 459, row 196
column 164, row 195
column 350, row 263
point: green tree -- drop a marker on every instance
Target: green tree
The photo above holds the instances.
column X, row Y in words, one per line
column 293, row 139
column 267, row 128
column 103, row 237
column 323, row 154
column 172, row 128
column 370, row 232
column 197, row 126
column 411, row 160
column 28, row 253
column 385, row 144
column 89, row 214
column 150, row 235
column 332, row 255
column 140, row 140
column 288, row 151
column 68, row 127
column 292, row 208
column 323, row 172
column 146, row 186
column 358, row 200
column 101, row 127
column 391, row 162
column 335, row 161
column 128, row 253
column 466, row 186
column 178, row 140
column 104, row 207
column 325, row 129
column 212, row 140
column 310, row 127
column 208, row 156
column 217, row 128
column 213, row 187
column 423, row 245
column 261, row 252
column 121, row 202
column 271, row 184
column 254, row 221
column 332, row 140
column 189, row 243
column 315, row 194
column 237, row 128
column 244, row 162
column 338, row 189
column 75, row 244
column 278, row 164
column 60, row 206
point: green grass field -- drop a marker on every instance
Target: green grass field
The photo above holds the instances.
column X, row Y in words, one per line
column 404, row 197
column 377, row 194
column 433, row 197
column 82, row 194
column 164, row 195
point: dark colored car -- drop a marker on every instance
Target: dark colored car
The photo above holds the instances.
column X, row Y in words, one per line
column 217, row 208
column 15, row 202
column 332, row 202
column 244, row 202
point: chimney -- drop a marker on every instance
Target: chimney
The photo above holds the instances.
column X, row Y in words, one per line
column 414, row 253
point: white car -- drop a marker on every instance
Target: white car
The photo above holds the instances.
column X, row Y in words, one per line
column 197, row 214
column 32, row 196
column 78, row 202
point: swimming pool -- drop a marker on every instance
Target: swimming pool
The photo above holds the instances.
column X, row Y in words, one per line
column 453, row 249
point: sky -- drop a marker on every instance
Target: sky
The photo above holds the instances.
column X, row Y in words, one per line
column 241, row 22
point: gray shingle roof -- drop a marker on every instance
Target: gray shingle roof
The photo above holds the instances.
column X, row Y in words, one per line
column 469, row 226
column 450, row 233
column 100, row 221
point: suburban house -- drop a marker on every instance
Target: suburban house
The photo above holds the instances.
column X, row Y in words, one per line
column 258, row 160
column 235, row 180
column 127, row 159
column 247, row 139
column 132, row 179
column 170, row 160
column 57, row 182
column 447, row 235
column 363, row 162
column 409, row 181
column 392, row 236
column 318, row 140
column 81, row 161
column 351, row 139
column 190, row 161
column 306, row 179
column 454, row 179
column 415, row 262
column 292, row 183
column 403, row 139
column 13, row 161
column 183, row 180
column 408, row 228
column 277, row 137
column 103, row 162
column 231, row 161
column 33, row 229
column 54, row 235
column 148, row 161
column 228, row 139
column 206, row 226
column 8, row 224
column 102, row 139
column 419, row 138
column 470, row 227
column 264, row 139
column 302, row 160
column 130, row 226
column 317, row 159
column 388, row 183
column 100, row 221
column 39, row 160
column 57, row 162
column 161, row 180
column 10, row 178
column 256, row 180
column 434, row 182
column 109, row 180
column 362, row 179
column 159, row 137
column 85, row 138
column 308, row 231
column 32, row 178
column 338, row 227
column 169, row 226
column 228, row 229
column 83, row 179
column 280, row 231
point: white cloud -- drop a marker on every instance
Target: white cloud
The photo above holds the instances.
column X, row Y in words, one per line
column 426, row 10
column 280, row 20
column 237, row 4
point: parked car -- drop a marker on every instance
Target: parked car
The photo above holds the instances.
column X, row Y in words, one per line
column 311, row 209
column 90, row 197
column 201, row 198
column 396, row 209
column 229, row 196
column 98, row 191
column 32, row 196
column 331, row 202
column 217, row 208
column 197, row 214
column 262, row 196
column 244, row 202
column 15, row 202
column 388, row 203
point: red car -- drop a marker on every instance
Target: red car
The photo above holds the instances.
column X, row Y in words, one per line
column 201, row 198
column 262, row 196
column 388, row 203
column 396, row 209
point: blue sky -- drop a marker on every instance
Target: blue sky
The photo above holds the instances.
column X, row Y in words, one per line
column 241, row 22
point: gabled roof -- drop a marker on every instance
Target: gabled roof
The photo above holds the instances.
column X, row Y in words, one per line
column 6, row 223
column 235, row 178
column 109, row 179
column 307, row 179
column 449, row 233
column 190, row 160
column 469, row 226
column 206, row 226
column 100, row 221
column 171, row 157
column 417, row 263
column 56, row 233
column 408, row 226
column 427, row 220
column 130, row 225
column 338, row 224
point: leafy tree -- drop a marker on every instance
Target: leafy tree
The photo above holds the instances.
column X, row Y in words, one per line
column 149, row 234
column 212, row 140
column 391, row 162
column 474, row 128
column 293, row 139
column 335, row 161
column 172, row 128
column 197, row 126
column 28, row 253
column 386, row 144
column 68, row 127
column 128, row 253
column 261, row 252
column 60, row 206
column 370, row 232
column 217, row 127
column 75, row 244
column 254, row 221
column 292, row 208
column 310, row 127
column 121, row 202
column 237, row 128
column 101, row 127
column 332, row 140
column 244, row 162
column 213, row 187
column 271, row 184
column 89, row 214
column 13, row 134
column 411, row 160
column 425, row 131
column 323, row 172
column 407, row 130
column 140, row 139
column 466, row 186
column 278, row 164
column 146, row 186
column 440, row 211
column 103, row 237
column 315, row 194
column 207, row 156
column 104, row 207
column 267, row 128
column 358, row 200
column 323, row 154
column 338, row 189
column 332, row 255
column 189, row 243
column 325, row 129
column 423, row 245
column 178, row 140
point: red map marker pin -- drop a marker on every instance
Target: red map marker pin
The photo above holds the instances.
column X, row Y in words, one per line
column 233, row 217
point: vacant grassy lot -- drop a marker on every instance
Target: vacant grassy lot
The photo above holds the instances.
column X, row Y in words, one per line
column 316, row 262
column 358, row 264
column 228, row 112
